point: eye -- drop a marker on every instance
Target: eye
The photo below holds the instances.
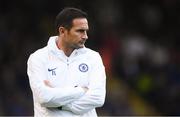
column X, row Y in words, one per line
column 81, row 30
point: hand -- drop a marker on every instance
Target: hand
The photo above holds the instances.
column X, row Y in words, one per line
column 47, row 83
column 85, row 89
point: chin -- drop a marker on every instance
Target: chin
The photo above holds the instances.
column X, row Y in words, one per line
column 80, row 46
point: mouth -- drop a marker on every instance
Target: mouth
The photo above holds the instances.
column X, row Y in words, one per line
column 82, row 42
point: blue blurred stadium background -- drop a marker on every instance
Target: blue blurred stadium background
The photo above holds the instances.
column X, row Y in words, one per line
column 138, row 40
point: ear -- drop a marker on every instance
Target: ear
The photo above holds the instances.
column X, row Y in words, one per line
column 61, row 30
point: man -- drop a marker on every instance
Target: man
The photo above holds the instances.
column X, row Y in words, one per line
column 66, row 78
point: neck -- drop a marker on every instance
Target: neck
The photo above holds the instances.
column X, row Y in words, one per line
column 62, row 46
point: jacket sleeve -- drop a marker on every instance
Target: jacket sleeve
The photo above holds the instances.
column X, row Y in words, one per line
column 46, row 96
column 95, row 96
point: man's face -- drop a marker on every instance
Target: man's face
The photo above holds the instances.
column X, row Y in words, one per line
column 77, row 35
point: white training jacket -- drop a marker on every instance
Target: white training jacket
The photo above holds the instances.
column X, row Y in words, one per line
column 67, row 75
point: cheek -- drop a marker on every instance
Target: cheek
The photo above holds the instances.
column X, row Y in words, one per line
column 76, row 36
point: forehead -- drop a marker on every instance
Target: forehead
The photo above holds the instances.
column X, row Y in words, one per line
column 80, row 23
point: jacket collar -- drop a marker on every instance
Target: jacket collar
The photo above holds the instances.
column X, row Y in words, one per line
column 52, row 47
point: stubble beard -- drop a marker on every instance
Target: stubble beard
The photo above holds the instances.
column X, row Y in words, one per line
column 80, row 44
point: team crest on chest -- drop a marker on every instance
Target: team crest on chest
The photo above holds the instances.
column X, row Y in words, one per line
column 83, row 67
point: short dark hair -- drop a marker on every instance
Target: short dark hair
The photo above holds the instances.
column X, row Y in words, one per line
column 66, row 16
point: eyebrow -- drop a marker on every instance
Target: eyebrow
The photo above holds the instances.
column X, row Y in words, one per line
column 82, row 29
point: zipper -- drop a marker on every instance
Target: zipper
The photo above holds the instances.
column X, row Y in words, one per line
column 67, row 62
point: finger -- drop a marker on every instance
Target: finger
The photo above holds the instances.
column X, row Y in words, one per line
column 47, row 83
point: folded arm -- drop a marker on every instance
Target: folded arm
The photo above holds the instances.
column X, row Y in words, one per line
column 48, row 96
column 95, row 96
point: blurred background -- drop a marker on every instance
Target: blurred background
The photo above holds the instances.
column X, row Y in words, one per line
column 137, row 39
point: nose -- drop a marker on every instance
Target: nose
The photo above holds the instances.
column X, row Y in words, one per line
column 85, row 36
